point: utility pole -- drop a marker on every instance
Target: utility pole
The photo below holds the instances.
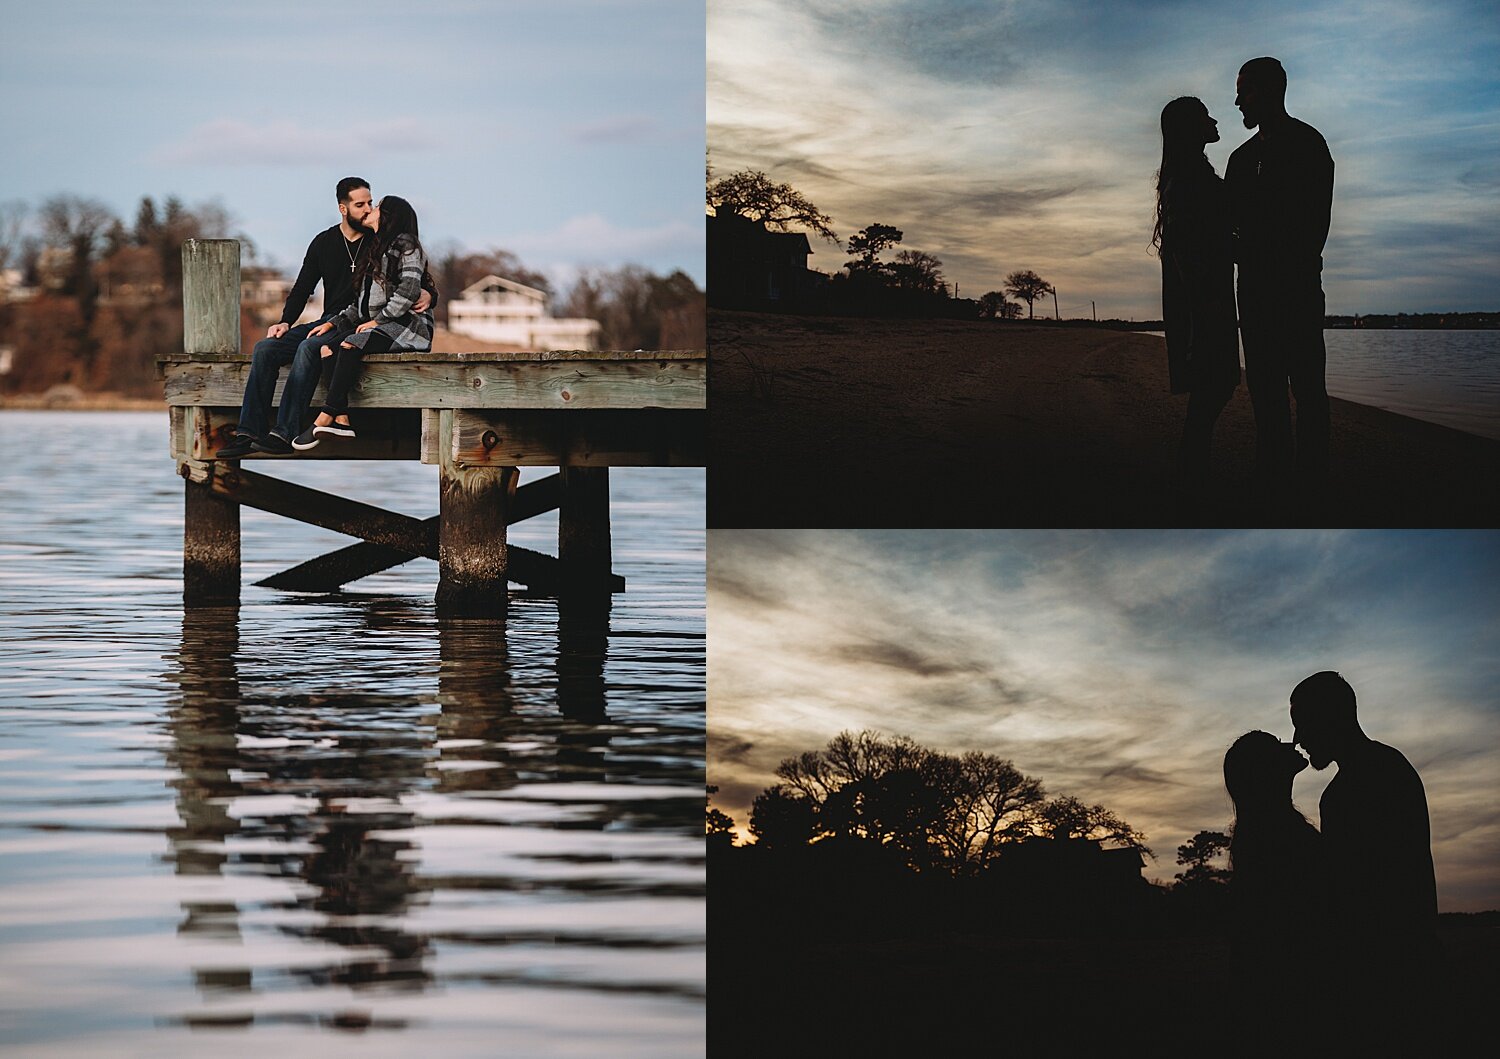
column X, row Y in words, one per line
column 1096, row 311
column 1055, row 314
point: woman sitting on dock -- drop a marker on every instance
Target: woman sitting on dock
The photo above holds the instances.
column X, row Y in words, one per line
column 388, row 277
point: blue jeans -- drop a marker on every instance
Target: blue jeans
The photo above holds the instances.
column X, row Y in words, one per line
column 266, row 362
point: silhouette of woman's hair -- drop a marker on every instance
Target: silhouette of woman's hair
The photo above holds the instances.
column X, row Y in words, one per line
column 1258, row 771
column 381, row 254
column 1183, row 163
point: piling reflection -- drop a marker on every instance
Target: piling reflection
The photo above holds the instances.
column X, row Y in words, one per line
column 426, row 840
column 267, row 787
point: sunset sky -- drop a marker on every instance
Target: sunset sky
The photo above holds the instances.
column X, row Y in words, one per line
column 567, row 131
column 1116, row 666
column 1003, row 135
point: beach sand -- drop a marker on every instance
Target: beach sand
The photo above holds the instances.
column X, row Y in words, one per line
column 831, row 421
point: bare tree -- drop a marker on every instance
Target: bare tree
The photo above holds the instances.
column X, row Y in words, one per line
column 1028, row 287
column 919, row 271
column 1067, row 817
column 937, row 808
column 13, row 217
column 752, row 194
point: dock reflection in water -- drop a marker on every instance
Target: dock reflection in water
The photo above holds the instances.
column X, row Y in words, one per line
column 319, row 825
column 408, row 847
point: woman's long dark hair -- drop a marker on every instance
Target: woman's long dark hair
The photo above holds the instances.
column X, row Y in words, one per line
column 1258, row 786
column 1183, row 162
column 380, row 252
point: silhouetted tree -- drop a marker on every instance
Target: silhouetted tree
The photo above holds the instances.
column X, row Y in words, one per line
column 918, row 271
column 1198, row 853
column 751, row 194
column 1028, row 287
column 781, row 818
column 718, row 826
column 1067, row 817
column 996, row 306
column 993, row 805
column 943, row 809
column 868, row 242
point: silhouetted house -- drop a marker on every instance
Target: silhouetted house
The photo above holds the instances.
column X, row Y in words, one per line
column 1068, row 883
column 750, row 267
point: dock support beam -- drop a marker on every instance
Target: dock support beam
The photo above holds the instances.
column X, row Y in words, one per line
column 472, row 553
column 210, row 547
column 583, row 542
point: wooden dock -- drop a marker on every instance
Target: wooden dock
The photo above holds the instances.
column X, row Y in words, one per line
column 476, row 416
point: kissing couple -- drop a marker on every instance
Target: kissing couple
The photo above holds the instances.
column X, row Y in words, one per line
column 1358, row 896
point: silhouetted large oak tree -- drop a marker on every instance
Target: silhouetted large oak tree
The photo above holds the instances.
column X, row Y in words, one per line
column 751, row 194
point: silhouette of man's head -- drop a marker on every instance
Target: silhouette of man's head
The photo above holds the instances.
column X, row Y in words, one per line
column 1258, row 771
column 1324, row 717
column 1260, row 90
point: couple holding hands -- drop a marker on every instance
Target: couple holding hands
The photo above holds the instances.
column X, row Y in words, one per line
column 377, row 298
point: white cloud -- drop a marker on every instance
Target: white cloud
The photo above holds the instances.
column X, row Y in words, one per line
column 280, row 142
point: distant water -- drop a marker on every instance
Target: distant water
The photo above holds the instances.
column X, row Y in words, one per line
column 1446, row 377
column 337, row 825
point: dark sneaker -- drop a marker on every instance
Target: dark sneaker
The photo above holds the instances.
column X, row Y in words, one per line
column 337, row 430
column 308, row 439
column 242, row 445
column 273, row 443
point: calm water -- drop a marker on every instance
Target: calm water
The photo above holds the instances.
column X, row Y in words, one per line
column 337, row 825
column 1446, row 377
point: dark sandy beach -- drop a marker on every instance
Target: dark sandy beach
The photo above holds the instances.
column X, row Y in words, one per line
column 826, row 421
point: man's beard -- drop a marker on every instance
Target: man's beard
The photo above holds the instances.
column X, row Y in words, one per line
column 360, row 226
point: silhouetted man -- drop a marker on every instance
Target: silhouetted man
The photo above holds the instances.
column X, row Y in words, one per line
column 1382, row 897
column 1280, row 184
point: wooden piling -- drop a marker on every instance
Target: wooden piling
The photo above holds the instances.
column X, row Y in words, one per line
column 210, row 543
column 473, row 512
column 211, row 523
column 583, row 541
column 211, row 296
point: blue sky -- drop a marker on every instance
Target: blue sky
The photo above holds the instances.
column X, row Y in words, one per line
column 567, row 131
column 1002, row 134
column 1117, row 666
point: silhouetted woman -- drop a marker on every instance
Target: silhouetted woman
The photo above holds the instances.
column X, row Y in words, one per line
column 1277, row 899
column 388, row 280
column 1193, row 240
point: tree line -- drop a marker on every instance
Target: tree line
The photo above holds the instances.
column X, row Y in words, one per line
column 911, row 281
column 108, row 294
column 953, row 812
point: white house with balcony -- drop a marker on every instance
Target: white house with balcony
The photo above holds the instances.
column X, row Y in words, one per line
column 501, row 310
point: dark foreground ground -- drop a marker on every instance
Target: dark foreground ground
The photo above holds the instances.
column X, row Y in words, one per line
column 849, row 422
column 960, row 993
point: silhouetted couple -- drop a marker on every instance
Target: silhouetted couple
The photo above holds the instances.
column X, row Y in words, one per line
column 1334, row 938
column 1270, row 215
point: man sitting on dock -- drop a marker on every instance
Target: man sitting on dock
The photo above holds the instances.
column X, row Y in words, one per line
column 330, row 258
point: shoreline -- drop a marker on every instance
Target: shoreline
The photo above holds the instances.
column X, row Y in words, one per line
column 36, row 403
column 838, row 421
